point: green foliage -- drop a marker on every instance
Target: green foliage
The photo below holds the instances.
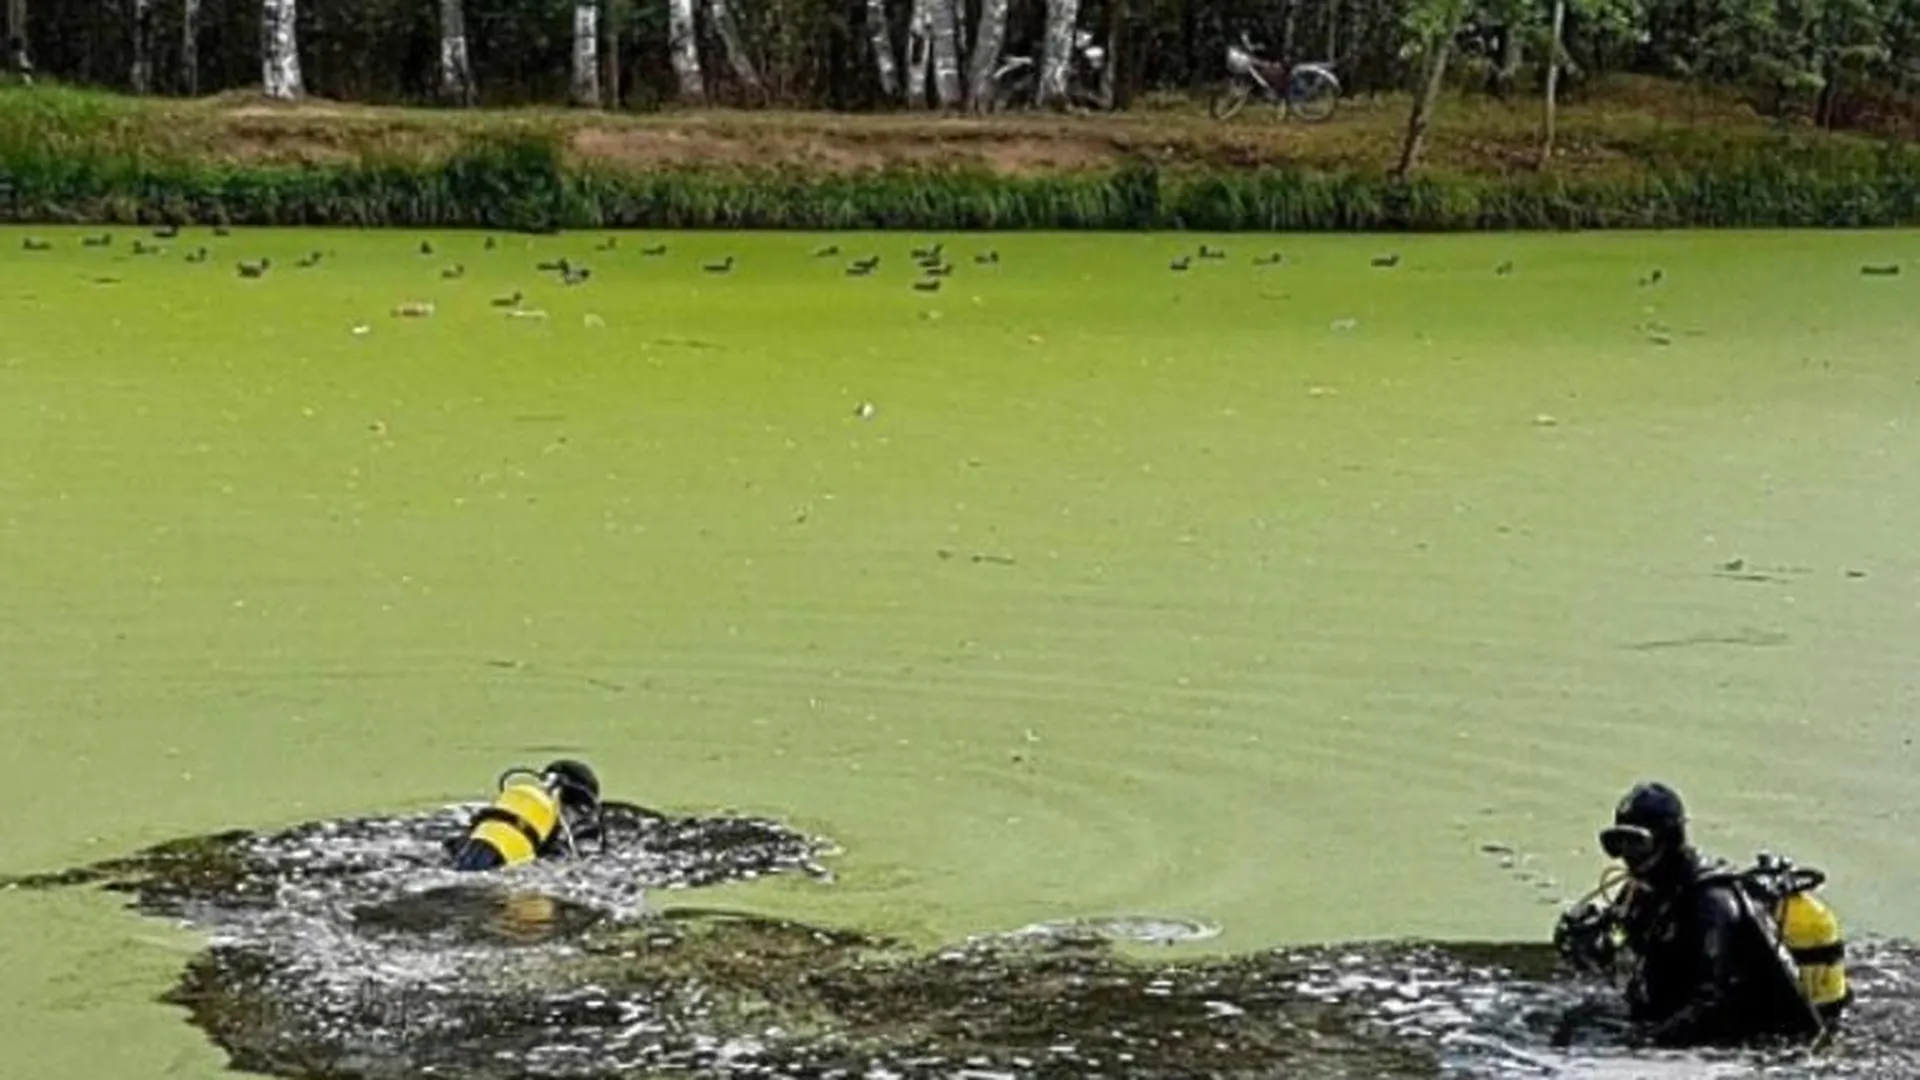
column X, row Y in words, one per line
column 521, row 181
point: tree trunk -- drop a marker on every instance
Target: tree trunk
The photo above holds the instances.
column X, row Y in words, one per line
column 1438, row 52
column 721, row 16
column 919, row 52
column 987, row 43
column 1513, row 52
column 1118, row 13
column 615, row 27
column 280, row 51
column 1056, row 57
column 1333, row 31
column 684, row 45
column 456, row 69
column 1287, row 20
column 18, row 54
column 142, row 75
column 885, row 64
column 585, row 82
column 190, row 47
column 1553, row 83
column 946, row 54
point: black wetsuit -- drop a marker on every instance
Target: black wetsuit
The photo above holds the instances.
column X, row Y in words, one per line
column 1706, row 968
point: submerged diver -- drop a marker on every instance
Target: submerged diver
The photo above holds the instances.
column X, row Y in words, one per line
column 1714, row 954
column 553, row 812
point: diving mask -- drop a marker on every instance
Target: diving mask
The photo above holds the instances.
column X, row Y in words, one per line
column 1632, row 844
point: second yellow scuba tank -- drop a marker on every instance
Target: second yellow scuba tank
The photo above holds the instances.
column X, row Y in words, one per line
column 532, row 814
column 1807, row 927
column 520, row 820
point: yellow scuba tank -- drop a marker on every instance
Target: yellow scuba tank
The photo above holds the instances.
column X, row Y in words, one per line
column 520, row 820
column 1809, row 929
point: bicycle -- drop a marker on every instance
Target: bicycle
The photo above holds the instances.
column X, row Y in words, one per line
column 1309, row 91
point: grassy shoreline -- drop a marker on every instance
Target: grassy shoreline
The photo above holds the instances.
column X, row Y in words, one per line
column 1642, row 155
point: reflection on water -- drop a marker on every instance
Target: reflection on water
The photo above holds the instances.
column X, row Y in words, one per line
column 341, row 949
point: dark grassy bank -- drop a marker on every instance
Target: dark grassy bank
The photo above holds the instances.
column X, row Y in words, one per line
column 77, row 157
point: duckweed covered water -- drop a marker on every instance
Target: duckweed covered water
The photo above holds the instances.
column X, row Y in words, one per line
column 1307, row 602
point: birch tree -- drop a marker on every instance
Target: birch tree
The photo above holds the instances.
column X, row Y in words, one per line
column 988, row 40
column 142, row 74
column 190, row 46
column 720, row 14
column 885, row 64
column 1435, row 23
column 683, row 46
column 919, row 52
column 456, row 68
column 1056, row 56
column 1554, row 48
column 946, row 54
column 280, row 51
column 586, row 54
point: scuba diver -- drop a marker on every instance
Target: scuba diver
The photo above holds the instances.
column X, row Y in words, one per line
column 1714, row 955
column 553, row 812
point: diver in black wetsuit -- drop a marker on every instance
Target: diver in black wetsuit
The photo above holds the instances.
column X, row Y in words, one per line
column 1706, row 963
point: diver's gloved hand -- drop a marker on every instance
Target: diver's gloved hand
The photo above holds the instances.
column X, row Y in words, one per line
column 1584, row 938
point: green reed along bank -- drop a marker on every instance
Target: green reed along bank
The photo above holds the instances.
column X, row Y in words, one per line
column 86, row 158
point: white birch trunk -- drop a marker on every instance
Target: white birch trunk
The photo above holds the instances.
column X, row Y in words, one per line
column 586, row 53
column 885, row 64
column 1056, row 57
column 946, row 54
column 1553, row 82
column 280, row 51
column 142, row 74
column 721, row 16
column 987, row 43
column 919, row 52
column 190, row 46
column 684, row 46
column 456, row 67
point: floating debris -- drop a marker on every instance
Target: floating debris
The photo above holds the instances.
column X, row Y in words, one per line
column 1387, row 261
column 1884, row 270
column 414, row 309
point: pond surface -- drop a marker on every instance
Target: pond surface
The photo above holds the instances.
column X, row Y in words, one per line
column 1283, row 604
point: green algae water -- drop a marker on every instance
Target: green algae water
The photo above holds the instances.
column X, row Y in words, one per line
column 1312, row 601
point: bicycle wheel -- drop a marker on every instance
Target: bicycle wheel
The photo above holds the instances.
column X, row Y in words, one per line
column 1230, row 99
column 1313, row 94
